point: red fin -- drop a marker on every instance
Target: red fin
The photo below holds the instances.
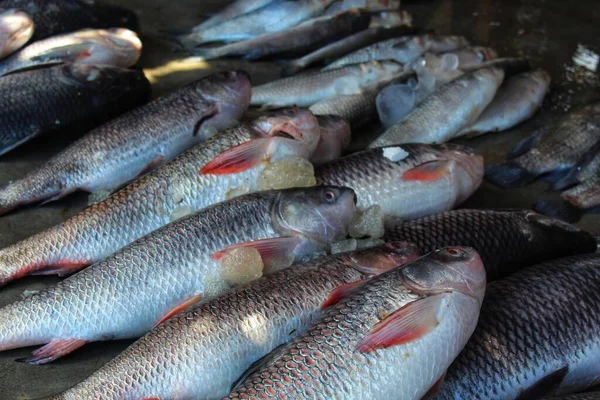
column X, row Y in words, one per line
column 238, row 158
column 435, row 389
column 271, row 250
column 151, row 165
column 404, row 325
column 428, row 172
column 84, row 54
column 53, row 350
column 187, row 303
column 62, row 268
column 341, row 292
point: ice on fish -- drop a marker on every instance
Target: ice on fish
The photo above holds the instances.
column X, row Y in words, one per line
column 368, row 243
column 180, row 212
column 292, row 172
column 394, row 102
column 369, row 223
column 241, row 265
column 343, row 246
column 238, row 191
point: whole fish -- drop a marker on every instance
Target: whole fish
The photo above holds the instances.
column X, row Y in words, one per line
column 307, row 36
column 506, row 240
column 118, row 47
column 16, row 28
column 135, row 142
column 408, row 181
column 549, row 150
column 235, row 9
column 307, row 89
column 128, row 293
column 537, row 335
column 276, row 16
column 66, row 96
column 231, row 161
column 442, row 115
column 402, row 50
column 341, row 6
column 335, row 138
column 391, row 338
column 53, row 17
column 342, row 47
column 207, row 347
column 517, row 100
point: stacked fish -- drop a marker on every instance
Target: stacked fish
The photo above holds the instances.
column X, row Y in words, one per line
column 251, row 259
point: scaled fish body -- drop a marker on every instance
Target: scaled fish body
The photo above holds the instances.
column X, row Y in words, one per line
column 117, row 47
column 135, row 142
column 16, row 28
column 66, row 96
column 407, row 181
column 128, row 293
column 537, row 335
column 202, row 351
column 172, row 191
column 391, row 338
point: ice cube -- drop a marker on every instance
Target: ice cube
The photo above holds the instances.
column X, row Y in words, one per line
column 288, row 173
column 394, row 103
column 344, row 245
column 368, row 243
column 238, row 191
column 180, row 212
column 369, row 223
column 241, row 265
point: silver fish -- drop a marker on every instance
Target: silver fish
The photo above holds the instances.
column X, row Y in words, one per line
column 391, row 338
column 443, row 114
column 408, row 181
column 230, row 163
column 235, row 9
column 517, row 100
column 128, row 293
column 340, row 6
column 307, row 89
column 118, row 47
column 16, row 28
column 202, row 351
column 135, row 142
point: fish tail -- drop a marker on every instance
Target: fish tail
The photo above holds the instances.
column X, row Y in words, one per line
column 560, row 209
column 508, row 175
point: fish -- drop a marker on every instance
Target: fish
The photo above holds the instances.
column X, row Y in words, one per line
column 67, row 96
column 392, row 18
column 307, row 36
column 537, row 335
column 184, row 358
column 550, row 150
column 434, row 121
column 407, row 181
column 276, row 16
column 16, row 28
column 307, row 89
column 392, row 337
column 233, row 10
column 53, row 17
column 341, row 6
column 506, row 240
column 402, row 50
column 580, row 396
column 511, row 66
column 517, row 100
column 216, row 170
column 118, row 47
column 334, row 139
column 153, row 278
column 472, row 57
column 135, row 142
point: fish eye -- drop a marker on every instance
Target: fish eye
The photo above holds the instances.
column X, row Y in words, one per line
column 329, row 196
column 291, row 111
column 455, row 252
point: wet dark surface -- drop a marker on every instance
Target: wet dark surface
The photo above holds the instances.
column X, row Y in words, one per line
column 547, row 31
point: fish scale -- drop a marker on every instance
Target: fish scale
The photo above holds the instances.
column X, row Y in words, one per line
column 532, row 324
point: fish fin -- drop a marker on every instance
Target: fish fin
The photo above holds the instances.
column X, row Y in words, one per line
column 53, row 350
column 409, row 323
column 151, row 398
column 435, row 389
column 428, row 172
column 237, row 159
column 545, row 386
column 271, row 250
column 394, row 102
column 185, row 304
column 62, row 268
column 158, row 160
column 526, row 144
column 206, row 132
column 560, row 209
column 341, row 292
column 508, row 175
column 566, row 181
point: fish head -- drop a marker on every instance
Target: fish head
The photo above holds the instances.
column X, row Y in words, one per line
column 107, row 79
column 296, row 131
column 227, row 97
column 16, row 28
column 466, row 169
column 122, row 47
column 320, row 214
column 379, row 259
column 449, row 269
column 335, row 137
column 559, row 235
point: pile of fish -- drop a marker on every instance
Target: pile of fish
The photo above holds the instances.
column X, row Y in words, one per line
column 258, row 254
